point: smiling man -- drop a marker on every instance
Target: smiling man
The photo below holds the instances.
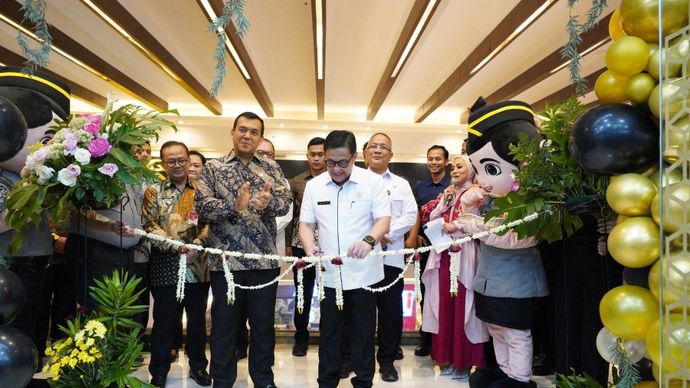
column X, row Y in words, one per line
column 350, row 206
column 240, row 195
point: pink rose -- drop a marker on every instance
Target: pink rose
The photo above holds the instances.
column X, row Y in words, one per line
column 70, row 143
column 108, row 169
column 99, row 147
column 94, row 127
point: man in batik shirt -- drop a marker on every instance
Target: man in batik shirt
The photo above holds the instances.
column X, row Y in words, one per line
column 168, row 211
column 240, row 195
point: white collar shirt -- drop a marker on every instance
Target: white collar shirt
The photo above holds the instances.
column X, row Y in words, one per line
column 344, row 215
column 403, row 215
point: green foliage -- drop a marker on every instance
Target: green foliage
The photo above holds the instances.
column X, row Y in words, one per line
column 232, row 10
column 35, row 12
column 575, row 381
column 115, row 352
column 575, row 29
column 627, row 375
column 549, row 179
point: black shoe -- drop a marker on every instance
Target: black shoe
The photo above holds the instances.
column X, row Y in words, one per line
column 300, row 348
column 512, row 383
column 483, row 377
column 241, row 353
column 423, row 349
column 345, row 369
column 388, row 373
column 158, row 382
column 200, row 377
column 399, row 355
column 272, row 385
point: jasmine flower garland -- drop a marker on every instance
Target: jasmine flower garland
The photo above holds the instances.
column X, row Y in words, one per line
column 181, row 278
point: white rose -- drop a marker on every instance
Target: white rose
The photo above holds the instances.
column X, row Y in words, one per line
column 66, row 179
column 44, row 174
column 82, row 156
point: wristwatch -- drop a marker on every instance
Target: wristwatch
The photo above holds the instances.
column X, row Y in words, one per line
column 369, row 240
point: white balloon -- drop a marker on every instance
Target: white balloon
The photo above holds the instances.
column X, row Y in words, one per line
column 607, row 342
column 636, row 350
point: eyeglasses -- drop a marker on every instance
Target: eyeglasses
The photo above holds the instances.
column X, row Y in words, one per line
column 382, row 147
column 265, row 154
column 172, row 163
column 341, row 163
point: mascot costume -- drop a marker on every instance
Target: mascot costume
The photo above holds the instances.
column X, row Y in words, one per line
column 29, row 104
column 510, row 277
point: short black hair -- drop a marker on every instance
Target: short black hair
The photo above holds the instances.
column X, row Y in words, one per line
column 250, row 116
column 438, row 147
column 364, row 147
column 200, row 155
column 316, row 141
column 173, row 143
column 271, row 143
column 340, row 138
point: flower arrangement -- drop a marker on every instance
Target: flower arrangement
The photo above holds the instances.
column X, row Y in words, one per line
column 88, row 161
column 102, row 352
column 549, row 181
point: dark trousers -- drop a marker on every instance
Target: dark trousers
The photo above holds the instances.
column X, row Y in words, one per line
column 259, row 307
column 302, row 320
column 426, row 337
column 363, row 320
column 165, row 306
column 58, row 303
column 91, row 259
column 389, row 306
column 179, row 336
column 32, row 272
column 141, row 270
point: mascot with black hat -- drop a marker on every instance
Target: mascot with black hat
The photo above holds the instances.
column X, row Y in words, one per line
column 510, row 277
column 29, row 104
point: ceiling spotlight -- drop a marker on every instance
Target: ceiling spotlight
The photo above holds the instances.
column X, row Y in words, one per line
column 281, row 125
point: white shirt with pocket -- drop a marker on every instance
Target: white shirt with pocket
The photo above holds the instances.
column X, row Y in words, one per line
column 403, row 215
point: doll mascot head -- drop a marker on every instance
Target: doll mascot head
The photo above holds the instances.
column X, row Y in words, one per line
column 28, row 106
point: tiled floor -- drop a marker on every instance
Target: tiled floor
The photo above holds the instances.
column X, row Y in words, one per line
column 295, row 372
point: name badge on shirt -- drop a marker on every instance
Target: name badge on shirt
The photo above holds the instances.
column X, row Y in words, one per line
column 323, row 203
column 193, row 218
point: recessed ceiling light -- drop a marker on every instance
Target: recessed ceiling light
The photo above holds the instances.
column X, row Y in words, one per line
column 180, row 121
column 281, row 125
column 325, row 127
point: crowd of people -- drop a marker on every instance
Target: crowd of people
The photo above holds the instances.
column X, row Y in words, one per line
column 243, row 202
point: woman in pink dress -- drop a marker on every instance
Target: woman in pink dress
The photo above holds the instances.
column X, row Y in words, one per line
column 457, row 335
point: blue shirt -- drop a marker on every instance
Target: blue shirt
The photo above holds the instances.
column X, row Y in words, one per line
column 427, row 190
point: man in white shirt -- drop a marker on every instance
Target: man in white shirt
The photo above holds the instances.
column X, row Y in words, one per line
column 403, row 217
column 350, row 206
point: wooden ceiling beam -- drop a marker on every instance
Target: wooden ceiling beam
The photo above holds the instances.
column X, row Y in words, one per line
column 387, row 78
column 319, row 82
column 254, row 81
column 498, row 35
column 542, row 69
column 564, row 93
column 148, row 45
column 10, row 58
column 96, row 65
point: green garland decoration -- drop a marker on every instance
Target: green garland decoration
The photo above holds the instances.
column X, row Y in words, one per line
column 628, row 374
column 232, row 10
column 35, row 12
column 575, row 29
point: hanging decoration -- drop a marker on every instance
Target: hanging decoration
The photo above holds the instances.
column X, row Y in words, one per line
column 35, row 12
column 232, row 10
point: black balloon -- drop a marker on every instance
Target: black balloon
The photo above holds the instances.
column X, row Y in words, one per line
column 12, row 296
column 18, row 358
column 12, row 129
column 612, row 139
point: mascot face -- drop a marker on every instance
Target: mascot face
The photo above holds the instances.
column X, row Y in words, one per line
column 40, row 100
column 494, row 173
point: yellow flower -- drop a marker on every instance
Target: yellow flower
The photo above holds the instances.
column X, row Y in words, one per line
column 93, row 350
column 79, row 336
column 89, row 342
column 50, row 352
column 96, row 328
column 73, row 362
column 74, row 352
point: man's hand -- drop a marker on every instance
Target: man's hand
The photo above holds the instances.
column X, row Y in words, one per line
column 411, row 242
column 121, row 229
column 359, row 250
column 449, row 227
column 243, row 198
column 386, row 240
column 313, row 251
column 262, row 200
column 192, row 256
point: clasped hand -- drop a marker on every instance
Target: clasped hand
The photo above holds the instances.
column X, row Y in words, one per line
column 260, row 201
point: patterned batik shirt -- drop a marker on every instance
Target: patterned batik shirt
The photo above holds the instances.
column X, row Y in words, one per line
column 169, row 212
column 249, row 231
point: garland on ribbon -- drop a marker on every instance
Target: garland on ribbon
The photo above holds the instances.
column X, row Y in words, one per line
column 300, row 290
column 35, row 12
column 454, row 253
column 181, row 276
column 229, row 279
column 418, row 277
column 232, row 9
column 322, row 289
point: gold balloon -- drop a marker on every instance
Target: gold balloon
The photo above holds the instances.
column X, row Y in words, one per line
column 660, row 55
column 627, row 56
column 673, row 93
column 610, row 87
column 646, row 384
column 615, row 25
column 669, row 177
column 675, row 197
column 634, row 242
column 621, row 218
column 680, row 52
column 639, row 88
column 677, row 139
column 675, row 383
column 628, row 311
column 641, row 17
column 674, row 337
column 649, row 170
column 631, row 195
column 675, row 273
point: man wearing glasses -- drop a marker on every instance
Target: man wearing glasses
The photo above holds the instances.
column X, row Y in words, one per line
column 350, row 206
column 168, row 211
column 240, row 195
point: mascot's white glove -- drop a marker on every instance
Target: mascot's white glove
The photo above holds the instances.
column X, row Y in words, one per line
column 472, row 199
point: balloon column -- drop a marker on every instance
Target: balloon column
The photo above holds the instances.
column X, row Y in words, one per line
column 18, row 355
